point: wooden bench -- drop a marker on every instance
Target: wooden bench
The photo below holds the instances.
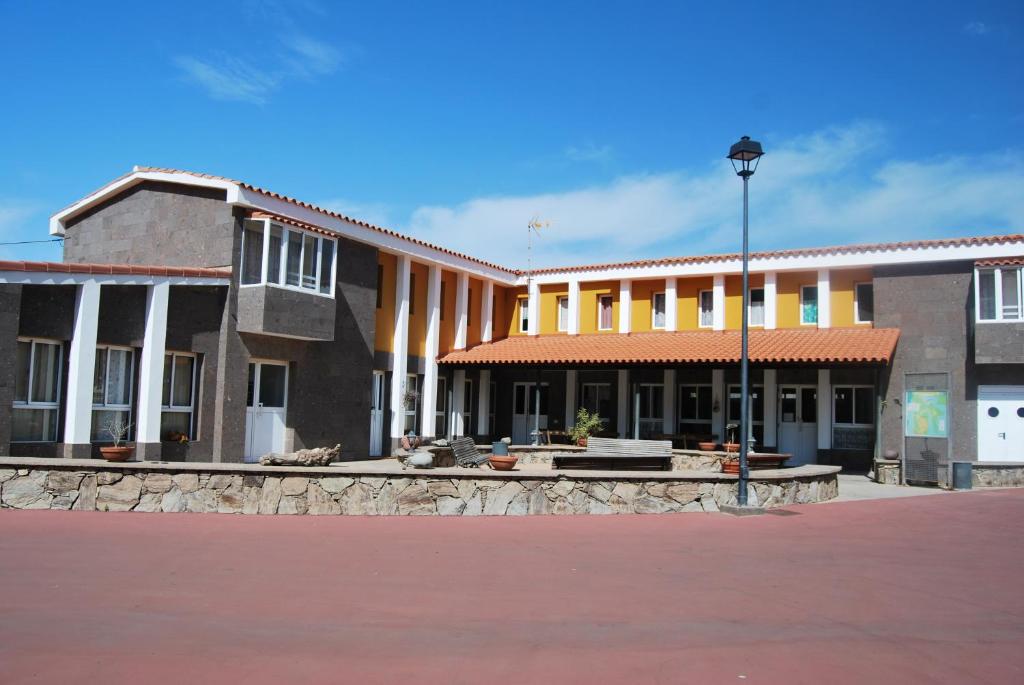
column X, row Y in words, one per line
column 756, row 462
column 611, row 453
column 466, row 453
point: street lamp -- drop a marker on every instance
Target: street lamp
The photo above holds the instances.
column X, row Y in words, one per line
column 744, row 156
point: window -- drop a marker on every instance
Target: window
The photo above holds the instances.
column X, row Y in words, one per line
column 112, row 391
column 695, row 407
column 853, row 405
column 658, row 310
column 411, row 402
column 307, row 260
column 597, row 397
column 467, row 408
column 999, row 294
column 652, row 409
column 441, row 408
column 380, row 286
column 178, row 399
column 604, row 313
column 809, row 304
column 524, row 314
column 707, row 309
column 756, row 410
column 864, row 302
column 755, row 314
column 563, row 314
column 36, row 391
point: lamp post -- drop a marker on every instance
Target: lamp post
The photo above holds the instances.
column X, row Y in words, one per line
column 744, row 156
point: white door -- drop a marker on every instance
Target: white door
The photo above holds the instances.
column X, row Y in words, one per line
column 524, row 406
column 1001, row 423
column 798, row 423
column 377, row 415
column 265, row 409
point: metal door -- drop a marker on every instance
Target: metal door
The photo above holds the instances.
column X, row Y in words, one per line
column 1001, row 423
column 798, row 423
column 377, row 415
column 266, row 409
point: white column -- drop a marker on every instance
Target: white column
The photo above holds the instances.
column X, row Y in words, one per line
column 487, row 313
column 570, row 399
column 824, row 410
column 771, row 399
column 824, row 299
column 151, row 365
column 574, row 307
column 670, row 304
column 668, row 421
column 625, row 305
column 718, row 303
column 770, row 301
column 458, row 422
column 533, row 302
column 622, row 425
column 483, row 404
column 721, row 401
column 461, row 311
column 428, row 393
column 400, row 346
column 81, row 367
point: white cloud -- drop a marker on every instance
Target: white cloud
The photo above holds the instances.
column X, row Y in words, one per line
column 308, row 57
column 588, row 152
column 824, row 188
column 977, row 28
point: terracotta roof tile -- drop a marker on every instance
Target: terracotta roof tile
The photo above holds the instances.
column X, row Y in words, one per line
column 112, row 269
column 1002, row 261
column 834, row 345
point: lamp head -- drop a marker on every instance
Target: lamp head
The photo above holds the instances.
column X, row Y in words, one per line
column 745, row 155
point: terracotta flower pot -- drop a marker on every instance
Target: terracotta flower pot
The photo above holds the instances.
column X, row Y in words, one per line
column 706, row 446
column 731, row 465
column 503, row 463
column 581, row 442
column 117, row 453
column 731, row 447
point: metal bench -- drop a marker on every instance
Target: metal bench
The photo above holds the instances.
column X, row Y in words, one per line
column 614, row 453
column 466, row 453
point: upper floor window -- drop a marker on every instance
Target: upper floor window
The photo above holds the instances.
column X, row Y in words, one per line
column 755, row 313
column 998, row 294
column 864, row 303
column 707, row 309
column 36, row 391
column 178, row 398
column 287, row 257
column 658, row 310
column 809, row 304
column 524, row 315
column 563, row 314
column 604, row 313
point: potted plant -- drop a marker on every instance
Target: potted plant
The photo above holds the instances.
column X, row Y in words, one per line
column 707, row 445
column 501, row 462
column 409, row 397
column 586, row 425
column 118, row 430
column 732, row 445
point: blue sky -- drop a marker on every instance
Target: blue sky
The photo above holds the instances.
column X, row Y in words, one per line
column 457, row 122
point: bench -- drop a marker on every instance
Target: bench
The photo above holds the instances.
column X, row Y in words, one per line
column 466, row 453
column 611, row 453
column 756, row 462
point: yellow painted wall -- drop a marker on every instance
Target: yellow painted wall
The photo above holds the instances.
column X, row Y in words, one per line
column 502, row 313
column 589, row 293
column 787, row 313
column 841, row 284
column 449, row 283
column 418, row 316
column 549, row 295
column 734, row 298
column 513, row 298
column 476, row 292
column 688, row 301
column 642, row 303
column 385, row 325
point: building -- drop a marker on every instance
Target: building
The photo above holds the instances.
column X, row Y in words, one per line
column 223, row 321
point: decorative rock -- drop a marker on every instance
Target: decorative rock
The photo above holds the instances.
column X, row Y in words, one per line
column 27, row 492
column 122, row 495
column 336, row 484
column 107, row 477
column 415, row 500
column 319, row 502
column 294, row 485
column 318, row 456
column 270, row 498
column 186, row 482
column 440, row 443
column 158, row 482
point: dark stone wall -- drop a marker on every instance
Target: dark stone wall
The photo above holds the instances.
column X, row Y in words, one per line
column 122, row 319
column 155, row 223
column 999, row 343
column 47, row 311
column 264, row 309
column 10, row 312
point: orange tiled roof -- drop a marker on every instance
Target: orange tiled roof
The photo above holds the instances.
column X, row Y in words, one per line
column 114, row 269
column 1001, row 261
column 831, row 345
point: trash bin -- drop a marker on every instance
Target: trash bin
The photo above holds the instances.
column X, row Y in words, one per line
column 499, row 449
column 962, row 475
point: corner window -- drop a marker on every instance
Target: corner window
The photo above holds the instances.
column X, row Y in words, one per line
column 755, row 312
column 524, row 314
column 864, row 303
column 178, row 399
column 853, row 405
column 289, row 257
column 112, row 392
column 658, row 310
column 999, row 293
column 707, row 309
column 809, row 305
column 604, row 313
column 36, row 391
column 563, row 314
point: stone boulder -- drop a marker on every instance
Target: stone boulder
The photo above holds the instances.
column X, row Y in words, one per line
column 318, row 456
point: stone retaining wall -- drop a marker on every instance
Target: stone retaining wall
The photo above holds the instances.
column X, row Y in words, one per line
column 331, row 491
column 995, row 475
column 682, row 460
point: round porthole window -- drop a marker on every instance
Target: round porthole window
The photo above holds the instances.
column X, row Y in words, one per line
column 994, row 412
column 1020, row 412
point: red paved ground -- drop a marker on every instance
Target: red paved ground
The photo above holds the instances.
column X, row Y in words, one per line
column 924, row 589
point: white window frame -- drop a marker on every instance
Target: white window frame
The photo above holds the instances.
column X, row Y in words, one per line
column 406, row 412
column 700, row 309
column 28, row 402
column 179, row 409
column 817, row 305
column 853, row 408
column 611, row 325
column 441, row 407
column 563, row 326
column 654, row 310
column 105, row 406
column 750, row 307
column 680, row 421
column 997, row 274
column 282, row 274
column 856, row 301
column 524, row 314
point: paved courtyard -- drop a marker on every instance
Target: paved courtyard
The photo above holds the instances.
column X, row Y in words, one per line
column 916, row 589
